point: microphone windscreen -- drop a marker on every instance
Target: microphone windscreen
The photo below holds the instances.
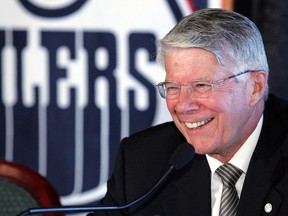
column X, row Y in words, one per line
column 183, row 154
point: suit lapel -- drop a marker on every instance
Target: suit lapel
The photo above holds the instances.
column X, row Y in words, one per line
column 191, row 190
column 264, row 171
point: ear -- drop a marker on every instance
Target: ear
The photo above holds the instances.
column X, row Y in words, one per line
column 258, row 84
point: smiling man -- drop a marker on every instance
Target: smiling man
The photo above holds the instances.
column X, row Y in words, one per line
column 206, row 108
column 217, row 94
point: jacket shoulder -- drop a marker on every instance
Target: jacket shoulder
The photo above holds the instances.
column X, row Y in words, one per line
column 277, row 106
column 165, row 134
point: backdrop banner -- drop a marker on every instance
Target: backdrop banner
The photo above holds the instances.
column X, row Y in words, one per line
column 77, row 76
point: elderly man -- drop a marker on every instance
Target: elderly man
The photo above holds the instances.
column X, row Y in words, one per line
column 217, row 94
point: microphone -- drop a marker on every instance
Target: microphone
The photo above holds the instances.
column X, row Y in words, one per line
column 183, row 154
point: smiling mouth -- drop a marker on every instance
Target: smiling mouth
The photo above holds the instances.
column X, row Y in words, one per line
column 199, row 124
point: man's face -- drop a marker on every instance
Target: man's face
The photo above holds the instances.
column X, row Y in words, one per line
column 217, row 125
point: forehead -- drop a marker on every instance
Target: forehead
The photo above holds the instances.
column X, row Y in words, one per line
column 192, row 63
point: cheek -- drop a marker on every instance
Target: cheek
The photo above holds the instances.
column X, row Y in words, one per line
column 230, row 116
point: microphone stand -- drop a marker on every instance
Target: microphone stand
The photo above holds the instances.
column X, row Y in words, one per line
column 180, row 157
column 98, row 208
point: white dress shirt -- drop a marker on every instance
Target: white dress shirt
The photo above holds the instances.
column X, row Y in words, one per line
column 241, row 160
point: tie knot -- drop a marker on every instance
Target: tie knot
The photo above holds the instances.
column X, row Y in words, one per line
column 229, row 174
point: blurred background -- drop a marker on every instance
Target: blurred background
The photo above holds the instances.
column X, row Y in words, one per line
column 76, row 76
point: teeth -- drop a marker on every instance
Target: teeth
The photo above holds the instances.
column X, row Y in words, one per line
column 196, row 124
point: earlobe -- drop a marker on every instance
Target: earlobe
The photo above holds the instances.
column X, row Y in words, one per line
column 259, row 84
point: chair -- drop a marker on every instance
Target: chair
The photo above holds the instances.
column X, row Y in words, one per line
column 21, row 188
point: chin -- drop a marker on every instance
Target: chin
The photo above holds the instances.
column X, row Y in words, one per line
column 200, row 150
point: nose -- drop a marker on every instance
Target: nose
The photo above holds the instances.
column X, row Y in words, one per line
column 186, row 101
column 186, row 91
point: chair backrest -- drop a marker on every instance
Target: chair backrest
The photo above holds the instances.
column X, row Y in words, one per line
column 21, row 188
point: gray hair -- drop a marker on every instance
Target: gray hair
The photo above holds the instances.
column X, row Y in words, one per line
column 228, row 35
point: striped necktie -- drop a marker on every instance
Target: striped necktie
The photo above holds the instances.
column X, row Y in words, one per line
column 229, row 200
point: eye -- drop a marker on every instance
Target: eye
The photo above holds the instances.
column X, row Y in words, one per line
column 202, row 86
column 172, row 88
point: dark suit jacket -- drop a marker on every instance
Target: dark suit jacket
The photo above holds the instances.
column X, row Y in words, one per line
column 143, row 159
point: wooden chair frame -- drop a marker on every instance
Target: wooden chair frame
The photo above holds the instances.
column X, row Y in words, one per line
column 37, row 185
